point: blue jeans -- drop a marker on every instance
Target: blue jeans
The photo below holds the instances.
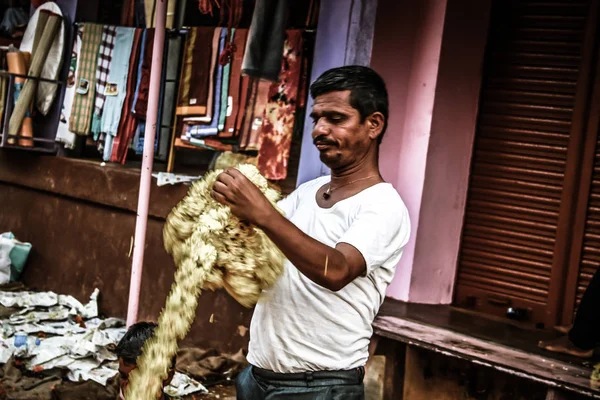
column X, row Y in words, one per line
column 342, row 385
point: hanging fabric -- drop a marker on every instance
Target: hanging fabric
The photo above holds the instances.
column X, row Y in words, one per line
column 81, row 113
column 216, row 50
column 38, row 60
column 127, row 122
column 235, row 84
column 171, row 70
column 128, row 13
column 63, row 134
column 247, row 116
column 140, row 14
column 226, row 62
column 141, row 97
column 149, row 7
column 264, row 49
column 104, row 59
column 278, row 124
column 193, row 98
column 116, row 87
column 46, row 92
column 199, row 130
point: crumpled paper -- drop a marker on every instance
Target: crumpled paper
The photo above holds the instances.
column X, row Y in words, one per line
column 84, row 350
column 50, row 299
column 183, row 385
column 166, row 178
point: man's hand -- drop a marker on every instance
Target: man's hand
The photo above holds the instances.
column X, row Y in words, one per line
column 246, row 201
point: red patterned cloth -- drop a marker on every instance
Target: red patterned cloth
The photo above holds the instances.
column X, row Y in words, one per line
column 278, row 121
column 141, row 104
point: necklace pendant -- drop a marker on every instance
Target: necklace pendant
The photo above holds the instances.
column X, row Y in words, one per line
column 327, row 193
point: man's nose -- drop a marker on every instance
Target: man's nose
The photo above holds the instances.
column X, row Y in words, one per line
column 321, row 128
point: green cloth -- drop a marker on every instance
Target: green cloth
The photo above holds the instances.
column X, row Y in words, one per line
column 83, row 103
column 18, row 256
column 225, row 90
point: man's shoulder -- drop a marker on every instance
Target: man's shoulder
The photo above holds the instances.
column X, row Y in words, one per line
column 382, row 195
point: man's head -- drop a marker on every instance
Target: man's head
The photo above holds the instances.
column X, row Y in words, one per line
column 350, row 114
column 130, row 348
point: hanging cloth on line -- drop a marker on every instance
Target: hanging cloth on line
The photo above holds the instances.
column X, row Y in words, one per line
column 107, row 45
column 116, row 88
column 127, row 122
column 278, row 123
column 199, row 130
column 83, row 103
column 193, row 98
column 235, row 84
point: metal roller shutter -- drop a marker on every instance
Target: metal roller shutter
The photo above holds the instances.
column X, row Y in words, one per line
column 519, row 160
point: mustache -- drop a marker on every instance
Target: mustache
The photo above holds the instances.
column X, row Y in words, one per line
column 323, row 140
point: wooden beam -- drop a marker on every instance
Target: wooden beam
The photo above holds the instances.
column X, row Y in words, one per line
column 550, row 372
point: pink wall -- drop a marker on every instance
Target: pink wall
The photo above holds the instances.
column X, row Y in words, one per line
column 434, row 91
column 406, row 50
column 450, row 149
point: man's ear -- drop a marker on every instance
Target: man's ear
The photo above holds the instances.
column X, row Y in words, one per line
column 375, row 123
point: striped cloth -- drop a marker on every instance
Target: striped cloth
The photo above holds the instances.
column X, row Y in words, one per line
column 81, row 113
column 107, row 45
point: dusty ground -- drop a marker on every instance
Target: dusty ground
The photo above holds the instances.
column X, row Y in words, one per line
column 218, row 392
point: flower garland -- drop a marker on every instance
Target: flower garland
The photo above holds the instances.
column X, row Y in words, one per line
column 212, row 249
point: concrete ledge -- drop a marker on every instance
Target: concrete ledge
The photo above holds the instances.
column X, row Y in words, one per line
column 112, row 185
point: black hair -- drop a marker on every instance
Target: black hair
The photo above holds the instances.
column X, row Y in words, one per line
column 368, row 93
column 130, row 346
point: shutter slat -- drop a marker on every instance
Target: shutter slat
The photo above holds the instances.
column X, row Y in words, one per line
column 590, row 255
column 516, row 224
column 518, row 167
column 509, row 235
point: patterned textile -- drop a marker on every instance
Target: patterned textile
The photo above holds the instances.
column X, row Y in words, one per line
column 278, row 124
column 64, row 135
column 81, row 112
column 117, row 81
column 104, row 58
column 127, row 123
column 195, row 68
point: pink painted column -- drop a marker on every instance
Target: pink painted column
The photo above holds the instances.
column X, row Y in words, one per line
column 431, row 54
column 147, row 163
column 406, row 52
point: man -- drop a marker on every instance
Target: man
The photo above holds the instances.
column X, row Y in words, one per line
column 342, row 235
column 130, row 348
column 584, row 336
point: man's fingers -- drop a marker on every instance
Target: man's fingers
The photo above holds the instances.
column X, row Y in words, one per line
column 226, row 178
column 235, row 173
column 220, row 188
column 219, row 197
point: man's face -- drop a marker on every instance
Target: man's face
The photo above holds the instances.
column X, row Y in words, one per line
column 338, row 133
column 126, row 368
